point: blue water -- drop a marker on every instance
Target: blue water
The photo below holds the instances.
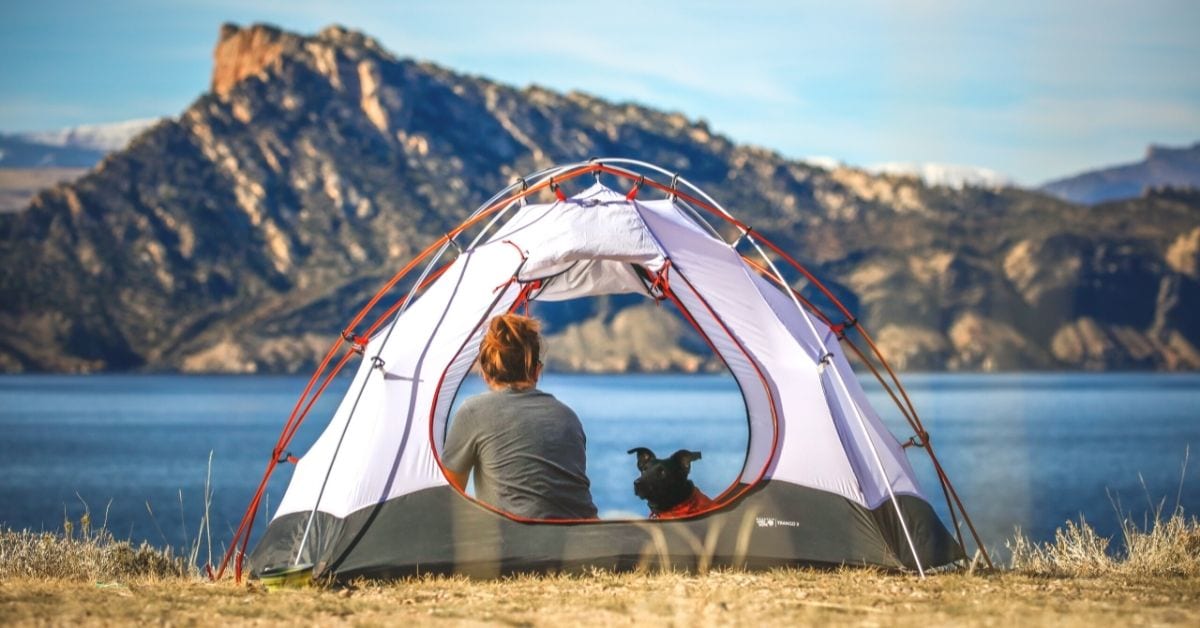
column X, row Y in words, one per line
column 1028, row 450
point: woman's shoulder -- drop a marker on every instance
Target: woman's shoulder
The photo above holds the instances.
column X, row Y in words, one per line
column 550, row 400
column 486, row 398
column 475, row 405
column 492, row 399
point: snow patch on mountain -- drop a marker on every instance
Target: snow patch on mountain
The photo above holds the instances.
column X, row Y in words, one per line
column 947, row 175
column 824, row 162
column 101, row 137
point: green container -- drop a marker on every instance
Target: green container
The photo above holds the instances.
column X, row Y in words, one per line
column 287, row 577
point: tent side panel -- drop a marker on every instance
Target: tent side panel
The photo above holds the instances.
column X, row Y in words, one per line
column 895, row 460
column 844, row 408
column 377, row 445
column 808, row 451
column 929, row 535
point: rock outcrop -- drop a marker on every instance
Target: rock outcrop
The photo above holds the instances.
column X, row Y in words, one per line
column 239, row 236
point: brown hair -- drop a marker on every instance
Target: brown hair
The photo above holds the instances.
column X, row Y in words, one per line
column 510, row 352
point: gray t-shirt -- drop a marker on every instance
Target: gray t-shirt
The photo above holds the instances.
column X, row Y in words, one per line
column 527, row 451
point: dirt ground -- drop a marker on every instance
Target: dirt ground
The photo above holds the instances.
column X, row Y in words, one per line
column 850, row 596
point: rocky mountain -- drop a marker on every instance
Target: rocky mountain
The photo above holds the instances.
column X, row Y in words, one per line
column 1162, row 167
column 239, row 236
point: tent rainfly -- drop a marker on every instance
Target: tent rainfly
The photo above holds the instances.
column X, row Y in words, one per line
column 824, row 481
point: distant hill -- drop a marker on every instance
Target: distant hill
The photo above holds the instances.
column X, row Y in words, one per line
column 18, row 152
column 27, row 167
column 1162, row 167
column 31, row 162
column 238, row 236
column 18, row 186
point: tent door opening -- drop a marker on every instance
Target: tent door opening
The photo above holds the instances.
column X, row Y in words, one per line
column 715, row 419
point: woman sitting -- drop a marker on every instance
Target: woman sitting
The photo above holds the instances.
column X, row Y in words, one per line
column 525, row 447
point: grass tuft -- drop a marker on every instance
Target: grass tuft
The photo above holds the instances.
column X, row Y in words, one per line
column 88, row 555
column 1166, row 546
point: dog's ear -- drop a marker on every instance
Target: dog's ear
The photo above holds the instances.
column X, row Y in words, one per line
column 685, row 458
column 644, row 456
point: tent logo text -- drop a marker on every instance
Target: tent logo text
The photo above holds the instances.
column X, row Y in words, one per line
column 771, row 522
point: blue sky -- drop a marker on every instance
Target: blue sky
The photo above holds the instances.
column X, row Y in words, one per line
column 1032, row 89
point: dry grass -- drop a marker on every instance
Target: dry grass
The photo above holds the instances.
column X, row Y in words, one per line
column 784, row 597
column 89, row 556
column 1165, row 547
column 85, row 576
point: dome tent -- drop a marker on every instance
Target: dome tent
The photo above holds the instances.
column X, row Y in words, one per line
column 823, row 482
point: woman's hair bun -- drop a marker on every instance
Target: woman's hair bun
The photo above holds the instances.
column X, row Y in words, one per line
column 511, row 350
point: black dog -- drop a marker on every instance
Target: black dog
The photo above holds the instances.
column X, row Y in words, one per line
column 665, row 486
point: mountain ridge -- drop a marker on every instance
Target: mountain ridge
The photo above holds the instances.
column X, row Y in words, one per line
column 238, row 236
column 1163, row 166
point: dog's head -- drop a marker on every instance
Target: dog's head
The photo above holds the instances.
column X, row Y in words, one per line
column 664, row 482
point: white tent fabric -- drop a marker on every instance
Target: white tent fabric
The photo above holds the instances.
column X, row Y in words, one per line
column 810, row 422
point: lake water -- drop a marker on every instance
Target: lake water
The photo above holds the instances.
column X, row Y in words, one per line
column 1028, row 450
